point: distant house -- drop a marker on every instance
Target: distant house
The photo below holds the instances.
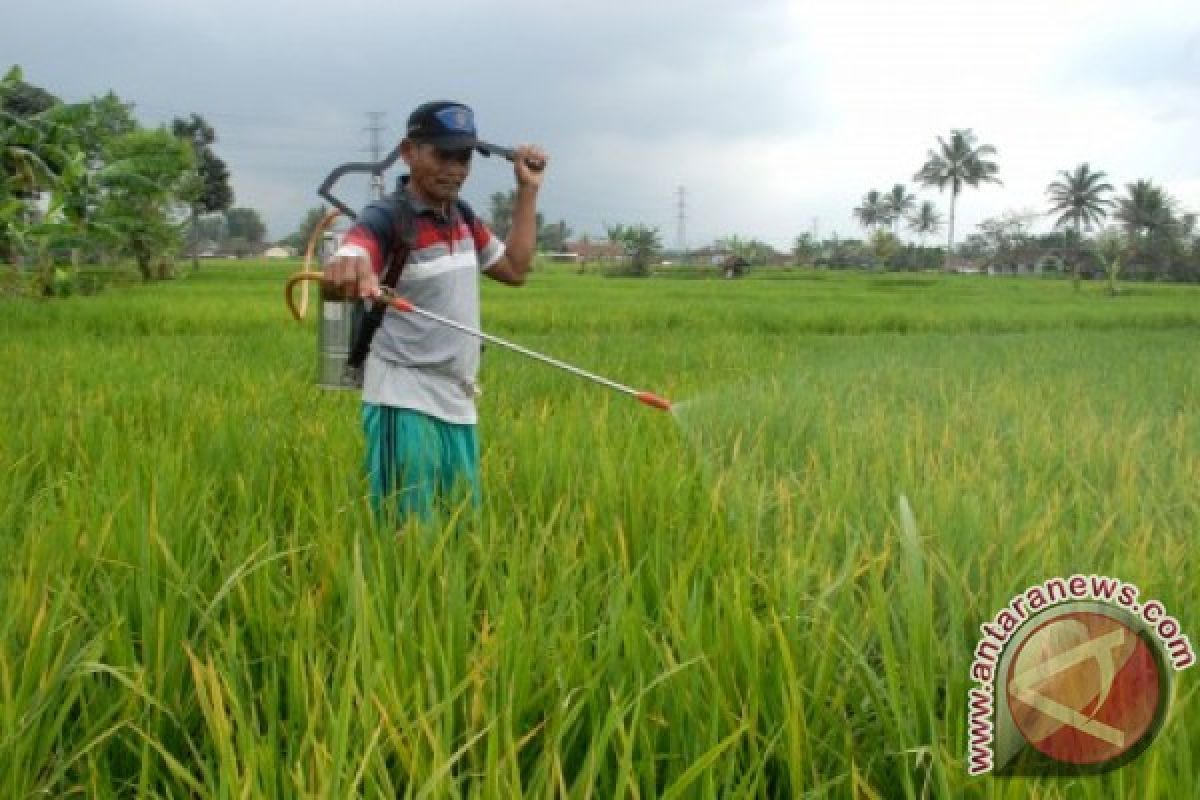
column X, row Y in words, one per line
column 204, row 248
column 966, row 266
column 279, row 252
column 586, row 250
column 713, row 256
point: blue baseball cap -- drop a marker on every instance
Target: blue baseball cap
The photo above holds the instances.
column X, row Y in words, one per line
column 444, row 124
column 450, row 126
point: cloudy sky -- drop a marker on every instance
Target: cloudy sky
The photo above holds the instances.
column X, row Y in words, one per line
column 776, row 117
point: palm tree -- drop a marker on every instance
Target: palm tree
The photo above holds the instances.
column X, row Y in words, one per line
column 873, row 212
column 925, row 220
column 1078, row 198
column 1147, row 213
column 956, row 164
column 897, row 203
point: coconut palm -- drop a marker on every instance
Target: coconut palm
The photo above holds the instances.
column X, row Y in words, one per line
column 1145, row 210
column 1147, row 213
column 873, row 211
column 958, row 163
column 897, row 203
column 925, row 220
column 1078, row 199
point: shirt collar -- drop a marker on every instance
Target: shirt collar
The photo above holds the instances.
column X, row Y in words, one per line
column 419, row 206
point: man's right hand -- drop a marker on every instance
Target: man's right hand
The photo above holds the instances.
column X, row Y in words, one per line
column 349, row 277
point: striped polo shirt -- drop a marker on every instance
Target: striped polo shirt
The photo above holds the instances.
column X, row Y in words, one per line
column 417, row 363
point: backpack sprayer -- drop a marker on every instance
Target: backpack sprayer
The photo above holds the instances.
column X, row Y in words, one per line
column 341, row 320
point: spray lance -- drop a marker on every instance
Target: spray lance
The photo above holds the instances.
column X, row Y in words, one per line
column 340, row 319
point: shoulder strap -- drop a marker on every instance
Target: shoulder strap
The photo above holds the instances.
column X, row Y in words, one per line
column 467, row 214
column 404, row 234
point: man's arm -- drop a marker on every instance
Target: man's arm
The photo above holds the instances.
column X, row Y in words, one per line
column 354, row 269
column 521, row 244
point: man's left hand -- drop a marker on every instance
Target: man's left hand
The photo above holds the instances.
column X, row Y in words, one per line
column 529, row 166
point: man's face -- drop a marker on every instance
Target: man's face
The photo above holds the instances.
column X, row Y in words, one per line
column 437, row 174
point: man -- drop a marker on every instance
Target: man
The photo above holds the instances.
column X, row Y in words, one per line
column 419, row 381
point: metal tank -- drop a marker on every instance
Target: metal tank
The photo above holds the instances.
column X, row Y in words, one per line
column 338, row 322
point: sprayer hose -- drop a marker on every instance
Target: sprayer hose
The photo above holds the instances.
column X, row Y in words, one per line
column 308, row 273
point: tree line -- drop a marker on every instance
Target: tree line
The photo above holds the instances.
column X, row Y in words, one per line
column 1153, row 237
column 85, row 184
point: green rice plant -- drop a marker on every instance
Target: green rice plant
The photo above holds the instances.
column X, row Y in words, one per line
column 774, row 593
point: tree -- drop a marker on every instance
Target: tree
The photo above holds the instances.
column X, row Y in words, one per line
column 1078, row 198
column 1006, row 240
column 141, row 182
column 23, row 99
column 884, row 245
column 95, row 176
column 52, row 151
column 1109, row 250
column 94, row 124
column 107, row 117
column 246, row 230
column 207, row 190
column 24, row 170
column 872, row 213
column 896, row 204
column 42, row 162
column 925, row 221
column 500, row 214
column 552, row 238
column 642, row 245
column 958, row 163
column 1147, row 213
column 750, row 250
column 312, row 218
column 804, row 249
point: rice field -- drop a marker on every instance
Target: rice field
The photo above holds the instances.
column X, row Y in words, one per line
column 721, row 602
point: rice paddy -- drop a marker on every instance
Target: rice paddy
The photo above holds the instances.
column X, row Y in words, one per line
column 723, row 602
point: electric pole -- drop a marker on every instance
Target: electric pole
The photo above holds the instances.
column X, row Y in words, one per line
column 681, row 222
column 375, row 129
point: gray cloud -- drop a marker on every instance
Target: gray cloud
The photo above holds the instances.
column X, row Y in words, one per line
column 286, row 85
column 767, row 115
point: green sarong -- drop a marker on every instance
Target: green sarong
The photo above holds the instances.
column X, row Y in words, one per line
column 418, row 465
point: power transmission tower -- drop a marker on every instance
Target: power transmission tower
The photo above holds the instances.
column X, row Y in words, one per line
column 681, row 222
column 375, row 129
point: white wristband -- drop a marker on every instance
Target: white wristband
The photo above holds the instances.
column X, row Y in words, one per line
column 352, row 250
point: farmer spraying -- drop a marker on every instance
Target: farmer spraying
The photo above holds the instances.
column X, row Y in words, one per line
column 423, row 242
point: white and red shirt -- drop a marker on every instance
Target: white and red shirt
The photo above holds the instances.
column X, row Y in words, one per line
column 414, row 362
